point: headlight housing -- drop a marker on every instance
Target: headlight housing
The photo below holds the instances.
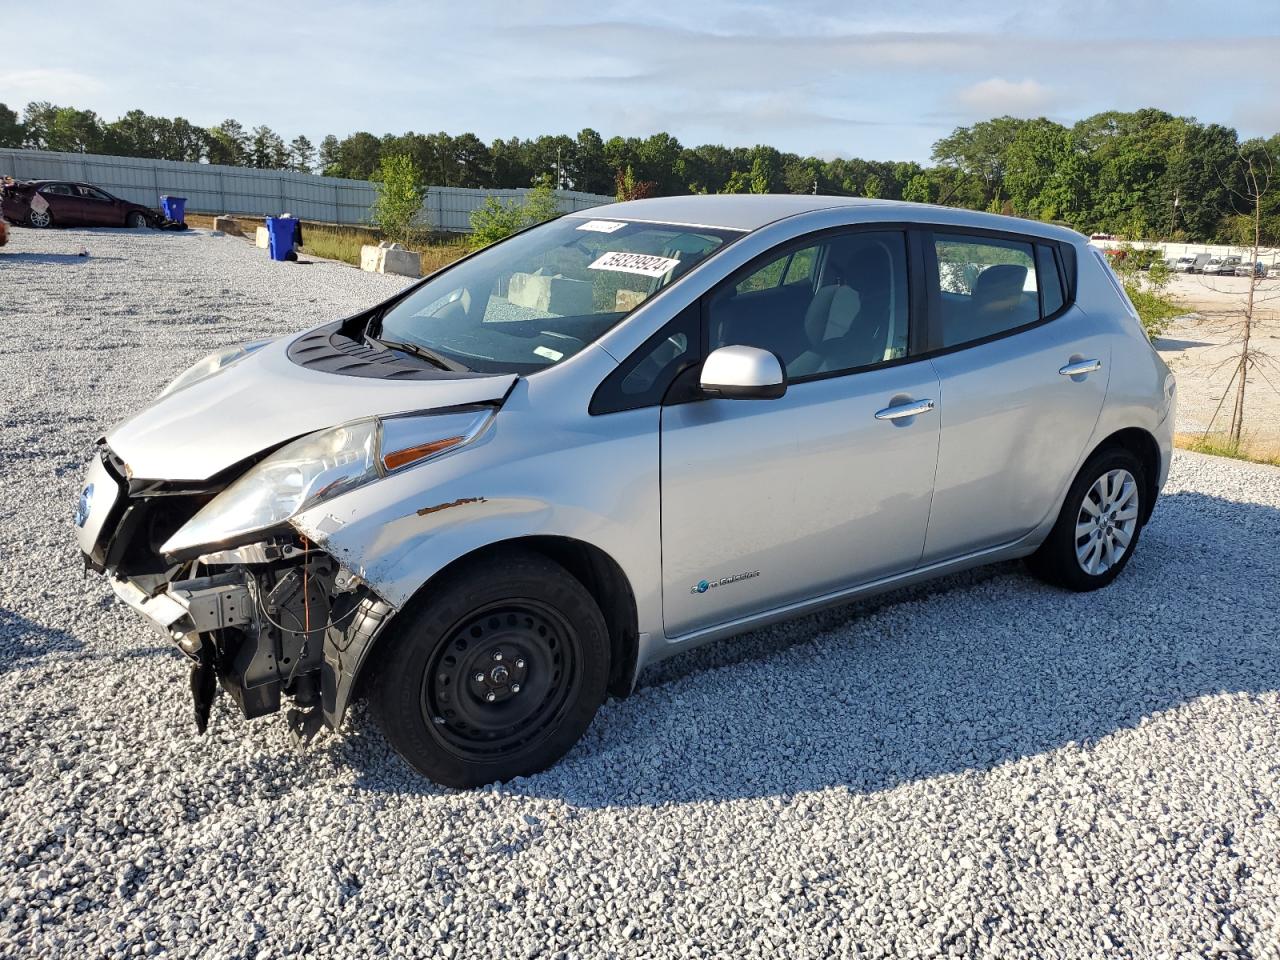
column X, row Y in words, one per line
column 211, row 364
column 324, row 465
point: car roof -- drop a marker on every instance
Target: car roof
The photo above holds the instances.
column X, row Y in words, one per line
column 751, row 211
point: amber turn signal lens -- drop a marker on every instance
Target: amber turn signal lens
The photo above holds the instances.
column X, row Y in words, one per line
column 402, row 458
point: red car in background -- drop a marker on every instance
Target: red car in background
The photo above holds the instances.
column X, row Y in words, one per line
column 65, row 203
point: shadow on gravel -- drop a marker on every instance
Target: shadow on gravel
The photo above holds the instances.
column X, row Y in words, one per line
column 54, row 258
column 23, row 639
column 965, row 674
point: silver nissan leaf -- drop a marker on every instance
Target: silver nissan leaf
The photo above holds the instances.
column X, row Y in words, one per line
column 485, row 504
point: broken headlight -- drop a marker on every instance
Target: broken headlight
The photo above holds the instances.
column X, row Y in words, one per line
column 321, row 466
column 211, row 365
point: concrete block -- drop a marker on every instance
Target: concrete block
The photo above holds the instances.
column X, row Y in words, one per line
column 390, row 258
column 558, row 295
column 263, row 238
column 625, row 300
column 227, row 225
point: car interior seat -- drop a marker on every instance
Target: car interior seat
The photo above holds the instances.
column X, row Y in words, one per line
column 998, row 302
column 849, row 321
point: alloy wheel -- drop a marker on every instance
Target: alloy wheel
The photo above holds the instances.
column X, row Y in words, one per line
column 1107, row 522
column 39, row 218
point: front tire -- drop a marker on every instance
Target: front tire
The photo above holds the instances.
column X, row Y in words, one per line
column 495, row 673
column 40, row 219
column 135, row 220
column 1098, row 528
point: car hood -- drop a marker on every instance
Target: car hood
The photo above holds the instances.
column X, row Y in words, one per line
column 264, row 400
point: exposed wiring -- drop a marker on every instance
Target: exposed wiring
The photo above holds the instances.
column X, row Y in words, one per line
column 257, row 600
column 306, row 597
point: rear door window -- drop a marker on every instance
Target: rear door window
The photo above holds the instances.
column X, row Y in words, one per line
column 986, row 286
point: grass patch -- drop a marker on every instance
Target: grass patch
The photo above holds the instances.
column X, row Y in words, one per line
column 1217, row 445
column 336, row 243
column 344, row 243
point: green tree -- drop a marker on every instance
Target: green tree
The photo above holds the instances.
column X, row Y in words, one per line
column 48, row 127
column 11, row 130
column 472, row 160
column 267, row 150
column 1033, row 157
column 705, row 168
column 355, row 157
column 980, row 152
column 497, row 219
column 800, row 176
column 228, row 144
column 302, row 155
column 590, row 171
column 399, row 199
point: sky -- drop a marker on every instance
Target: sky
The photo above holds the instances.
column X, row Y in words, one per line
column 876, row 80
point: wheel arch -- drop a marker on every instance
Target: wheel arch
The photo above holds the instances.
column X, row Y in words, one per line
column 1146, row 448
column 591, row 566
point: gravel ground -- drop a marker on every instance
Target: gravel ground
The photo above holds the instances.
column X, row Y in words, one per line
column 985, row 767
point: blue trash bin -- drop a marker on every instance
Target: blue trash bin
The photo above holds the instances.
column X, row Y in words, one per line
column 280, row 235
column 174, row 208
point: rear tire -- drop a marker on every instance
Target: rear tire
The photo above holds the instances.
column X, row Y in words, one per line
column 1097, row 531
column 40, row 219
column 135, row 220
column 495, row 673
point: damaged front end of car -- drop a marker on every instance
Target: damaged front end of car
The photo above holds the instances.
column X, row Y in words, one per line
column 266, row 620
column 220, row 570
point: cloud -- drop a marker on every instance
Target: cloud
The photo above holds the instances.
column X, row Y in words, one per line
column 998, row 96
column 56, row 84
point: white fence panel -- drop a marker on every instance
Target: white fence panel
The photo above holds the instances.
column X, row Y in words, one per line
column 211, row 188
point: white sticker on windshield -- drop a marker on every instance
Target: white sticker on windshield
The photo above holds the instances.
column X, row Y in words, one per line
column 552, row 355
column 644, row 264
column 602, row 226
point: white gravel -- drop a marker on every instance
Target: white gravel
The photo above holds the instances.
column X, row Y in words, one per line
column 986, row 767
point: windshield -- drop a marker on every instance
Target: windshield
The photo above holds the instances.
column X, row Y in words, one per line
column 543, row 295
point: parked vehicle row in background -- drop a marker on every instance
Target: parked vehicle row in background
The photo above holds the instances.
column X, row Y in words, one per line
column 1221, row 266
column 66, row 203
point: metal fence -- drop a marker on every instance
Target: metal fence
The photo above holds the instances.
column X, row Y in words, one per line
column 211, row 188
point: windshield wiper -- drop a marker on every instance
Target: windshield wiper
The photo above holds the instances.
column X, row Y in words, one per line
column 421, row 352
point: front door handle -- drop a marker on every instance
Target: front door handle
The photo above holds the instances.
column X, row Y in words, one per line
column 1079, row 368
column 912, row 408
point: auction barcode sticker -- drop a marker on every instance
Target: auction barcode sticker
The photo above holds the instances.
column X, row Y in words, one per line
column 644, row 264
column 602, row 226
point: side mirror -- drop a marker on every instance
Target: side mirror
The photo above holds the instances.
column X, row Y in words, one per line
column 743, row 373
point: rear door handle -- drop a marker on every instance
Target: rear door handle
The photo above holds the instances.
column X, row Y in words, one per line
column 912, row 408
column 1081, row 367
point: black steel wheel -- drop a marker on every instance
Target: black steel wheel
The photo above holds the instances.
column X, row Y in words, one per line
column 504, row 677
column 494, row 673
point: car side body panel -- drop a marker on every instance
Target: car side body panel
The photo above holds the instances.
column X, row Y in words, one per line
column 1013, row 430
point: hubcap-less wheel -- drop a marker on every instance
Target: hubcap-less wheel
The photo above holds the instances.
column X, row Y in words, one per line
column 39, row 218
column 1107, row 521
column 503, row 679
column 137, row 221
